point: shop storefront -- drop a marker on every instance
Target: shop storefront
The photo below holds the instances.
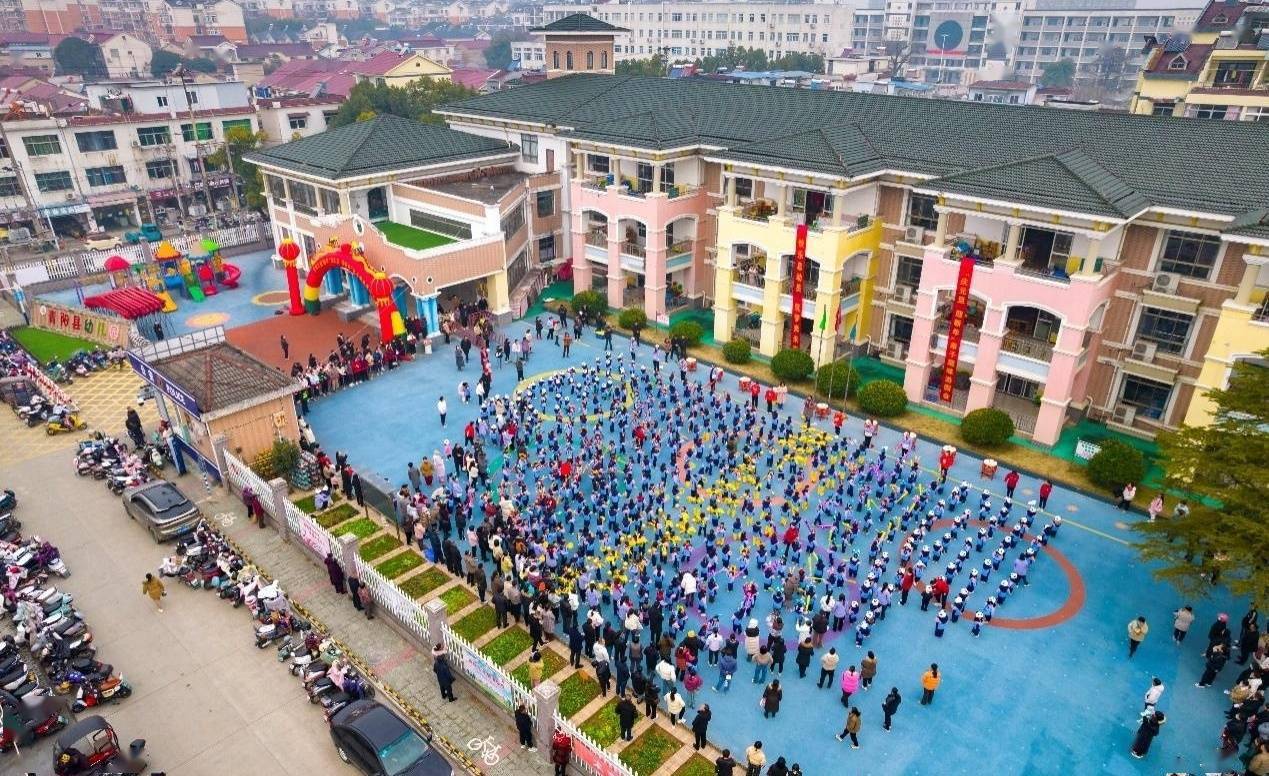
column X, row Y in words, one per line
column 74, row 219
column 116, row 211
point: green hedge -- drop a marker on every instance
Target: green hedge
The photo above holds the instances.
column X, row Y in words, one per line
column 359, row 528
column 647, row 753
column 632, row 318
column 400, row 564
column 603, row 725
column 1116, row 464
column 576, row 691
column 987, row 427
column 379, row 546
column 590, row 303
column 883, row 398
column 836, row 380
column 420, row 585
column 688, row 331
column 476, row 624
column 696, row 765
column 738, row 351
column 508, row 645
column 792, row 365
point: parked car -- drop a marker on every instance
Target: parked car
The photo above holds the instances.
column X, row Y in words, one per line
column 161, row 507
column 147, row 232
column 102, row 241
column 369, row 736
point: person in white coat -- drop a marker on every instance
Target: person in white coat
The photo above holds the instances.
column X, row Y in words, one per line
column 1153, row 695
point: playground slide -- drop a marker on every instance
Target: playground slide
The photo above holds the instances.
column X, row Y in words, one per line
column 168, row 304
column 195, row 292
column 232, row 273
column 209, row 288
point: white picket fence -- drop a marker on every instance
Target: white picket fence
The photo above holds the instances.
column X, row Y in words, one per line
column 71, row 265
column 497, row 682
column 588, row 755
column 389, row 596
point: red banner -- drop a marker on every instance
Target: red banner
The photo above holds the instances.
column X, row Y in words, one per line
column 956, row 328
column 795, row 287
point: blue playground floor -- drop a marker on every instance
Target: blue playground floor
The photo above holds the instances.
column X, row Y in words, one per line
column 228, row 307
column 1057, row 699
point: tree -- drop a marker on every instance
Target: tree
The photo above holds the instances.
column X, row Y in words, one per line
column 240, row 140
column 414, row 101
column 74, row 56
column 735, row 56
column 163, row 63
column 653, row 65
column 1221, row 465
column 1112, row 63
column 1058, row 74
column 797, row 60
column 498, row 55
column 201, row 65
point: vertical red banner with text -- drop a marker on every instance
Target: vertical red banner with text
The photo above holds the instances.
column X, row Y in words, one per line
column 796, row 284
column 956, row 328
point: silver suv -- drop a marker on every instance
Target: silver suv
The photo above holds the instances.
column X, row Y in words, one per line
column 161, row 508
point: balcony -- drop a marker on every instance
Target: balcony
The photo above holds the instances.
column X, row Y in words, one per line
column 679, row 247
column 597, row 238
column 970, row 334
column 634, row 249
column 852, row 287
column 1028, row 347
column 1261, row 313
column 411, row 237
column 1051, row 271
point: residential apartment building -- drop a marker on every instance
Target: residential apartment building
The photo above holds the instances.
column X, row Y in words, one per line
column 179, row 19
column 1104, row 252
column 126, row 55
column 690, row 30
column 167, row 19
column 167, row 95
column 283, row 119
column 1219, row 71
column 112, row 170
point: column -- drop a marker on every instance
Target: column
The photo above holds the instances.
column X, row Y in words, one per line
column 1012, row 241
column 582, row 270
column 1247, row 286
column 828, row 298
column 917, row 375
column 437, row 619
column 334, row 282
column 940, row 230
column 1058, row 388
column 656, row 178
column 730, row 191
column 1089, row 264
column 616, row 282
column 724, row 304
column 345, row 551
column 579, row 165
column 772, row 317
column 982, row 383
column 358, row 291
column 499, row 293
column 279, row 490
column 782, row 199
column 839, row 207
column 547, row 695
column 654, row 276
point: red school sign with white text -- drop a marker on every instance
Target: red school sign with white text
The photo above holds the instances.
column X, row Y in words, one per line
column 956, row 328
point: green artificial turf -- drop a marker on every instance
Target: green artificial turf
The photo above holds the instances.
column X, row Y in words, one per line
column 379, row 546
column 423, row 583
column 411, row 237
column 576, row 691
column 457, row 599
column 308, row 505
column 476, row 624
column 603, row 726
column 399, row 564
column 48, row 345
column 336, row 515
column 552, row 662
column 696, row 765
column 507, row 645
column 359, row 528
column 649, row 751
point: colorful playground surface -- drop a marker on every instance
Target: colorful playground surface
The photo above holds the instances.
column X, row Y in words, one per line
column 1049, row 690
column 260, row 290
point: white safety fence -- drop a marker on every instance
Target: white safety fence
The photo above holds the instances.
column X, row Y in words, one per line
column 386, row 593
column 588, row 755
column 487, row 675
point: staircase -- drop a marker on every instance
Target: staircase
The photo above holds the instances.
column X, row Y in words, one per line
column 526, row 293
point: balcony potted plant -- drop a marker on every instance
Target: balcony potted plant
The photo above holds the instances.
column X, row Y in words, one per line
column 759, row 210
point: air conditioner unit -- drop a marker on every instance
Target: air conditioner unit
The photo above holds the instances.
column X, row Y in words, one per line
column 1124, row 415
column 1165, row 282
column 70, row 197
column 1144, row 351
column 903, row 294
column 898, row 351
column 136, row 143
column 914, row 234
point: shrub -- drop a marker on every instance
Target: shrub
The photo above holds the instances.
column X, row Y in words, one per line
column 883, row 398
column 589, row 304
column 792, row 365
column 688, row 331
column 507, row 645
column 647, row 753
column 632, row 319
column 278, row 461
column 1116, row 464
column 379, row 546
column 476, row 624
column 836, row 380
column 421, row 584
column 986, row 427
column 738, row 351
column 457, row 598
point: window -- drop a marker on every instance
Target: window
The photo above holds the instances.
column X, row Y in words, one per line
column 513, row 222
column 603, row 60
column 330, row 200
column 105, row 176
column 901, row 329
column 277, row 187
column 908, row 272
column 236, row 124
column 1150, row 398
column 1178, row 63
column 297, row 120
column 96, row 141
column 153, row 136
column 161, row 100
column 643, row 174
column 303, row 197
column 529, row 147
column 568, row 60
column 921, row 211
column 590, row 59
column 42, row 145
column 160, row 169
column 744, row 188
column 1189, row 254
column 597, row 163
column 555, row 60
column 440, row 225
column 1210, row 112
column 1162, row 108
column 9, row 187
column 1167, row 329
column 546, row 203
column 53, row 181
column 204, row 129
column 667, row 177
column 546, row 248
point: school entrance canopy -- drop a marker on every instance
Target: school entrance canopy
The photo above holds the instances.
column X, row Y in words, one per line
column 130, row 303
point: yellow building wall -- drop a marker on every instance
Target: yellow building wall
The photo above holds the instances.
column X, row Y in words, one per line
column 1237, row 336
column 415, row 68
column 254, row 429
column 1150, row 90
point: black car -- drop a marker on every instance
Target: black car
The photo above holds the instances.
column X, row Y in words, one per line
column 161, row 508
column 368, row 735
column 7, row 500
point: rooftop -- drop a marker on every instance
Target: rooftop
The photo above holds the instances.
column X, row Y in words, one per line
column 487, row 190
column 579, row 22
column 1190, row 164
column 1012, row 86
column 382, row 144
column 221, row 376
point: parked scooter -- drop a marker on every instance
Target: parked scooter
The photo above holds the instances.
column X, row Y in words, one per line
column 107, row 691
column 65, row 422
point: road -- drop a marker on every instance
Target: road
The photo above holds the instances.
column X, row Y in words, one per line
column 205, row 699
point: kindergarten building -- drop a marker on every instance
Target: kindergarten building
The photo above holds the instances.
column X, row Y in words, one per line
column 1074, row 264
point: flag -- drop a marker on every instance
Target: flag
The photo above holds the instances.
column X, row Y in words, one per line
column 823, row 320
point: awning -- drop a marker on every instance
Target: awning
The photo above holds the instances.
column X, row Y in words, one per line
column 116, row 198
column 53, row 211
column 130, row 303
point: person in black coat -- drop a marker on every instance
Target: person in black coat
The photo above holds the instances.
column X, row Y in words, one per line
column 1216, row 656
column 627, row 713
column 500, row 608
column 803, row 659
column 1149, row 728
column 444, row 675
column 725, row 765
column 524, row 726
column 700, row 725
column 650, row 699
column 890, row 706
column 575, row 645
column 1219, row 632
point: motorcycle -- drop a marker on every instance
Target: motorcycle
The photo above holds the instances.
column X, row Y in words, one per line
column 278, row 626
column 65, row 422
column 57, row 373
column 10, row 528
column 354, row 688
column 50, row 558
column 107, row 691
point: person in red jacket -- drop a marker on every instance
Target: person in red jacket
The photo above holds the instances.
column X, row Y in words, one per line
column 839, row 418
column 905, row 585
column 790, row 539
column 754, row 390
column 771, row 399
column 1046, row 488
column 941, row 589
column 1011, row 482
column 561, row 751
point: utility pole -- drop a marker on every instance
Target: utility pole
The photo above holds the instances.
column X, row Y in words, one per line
column 183, row 74
column 20, row 174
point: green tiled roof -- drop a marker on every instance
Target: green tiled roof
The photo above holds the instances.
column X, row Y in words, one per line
column 378, row 145
column 579, row 22
column 1253, row 223
column 1100, row 163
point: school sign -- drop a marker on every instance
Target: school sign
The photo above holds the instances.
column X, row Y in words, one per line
column 75, row 322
